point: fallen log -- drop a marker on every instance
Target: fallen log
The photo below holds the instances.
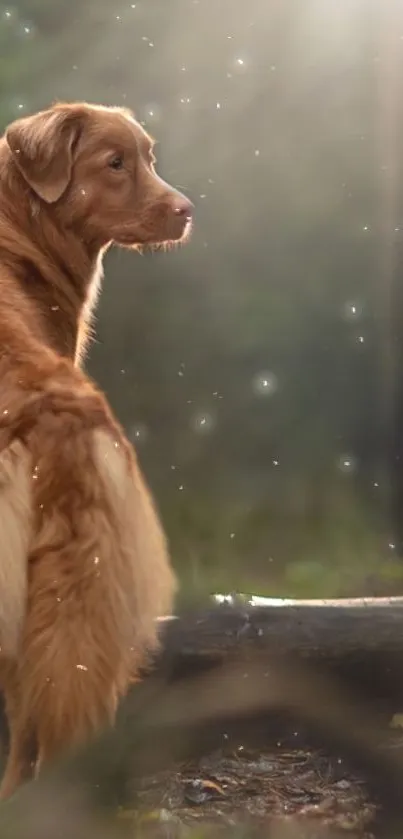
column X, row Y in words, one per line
column 356, row 642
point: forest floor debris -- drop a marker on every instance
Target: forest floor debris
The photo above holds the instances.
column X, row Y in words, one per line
column 280, row 793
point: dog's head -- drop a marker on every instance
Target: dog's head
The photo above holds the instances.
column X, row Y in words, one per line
column 96, row 166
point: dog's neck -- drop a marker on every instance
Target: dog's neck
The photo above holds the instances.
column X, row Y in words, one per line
column 63, row 297
column 58, row 275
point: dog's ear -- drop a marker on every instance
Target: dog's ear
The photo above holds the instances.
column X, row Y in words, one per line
column 42, row 146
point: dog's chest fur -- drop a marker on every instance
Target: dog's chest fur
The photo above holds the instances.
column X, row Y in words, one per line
column 85, row 327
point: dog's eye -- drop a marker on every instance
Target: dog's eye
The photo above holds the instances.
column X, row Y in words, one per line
column 116, row 162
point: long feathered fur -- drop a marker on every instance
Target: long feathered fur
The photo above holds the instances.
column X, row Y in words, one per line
column 16, row 533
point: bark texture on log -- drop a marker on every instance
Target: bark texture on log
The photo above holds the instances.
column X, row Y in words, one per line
column 358, row 642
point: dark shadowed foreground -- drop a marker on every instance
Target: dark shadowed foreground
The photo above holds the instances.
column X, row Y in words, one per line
column 255, row 740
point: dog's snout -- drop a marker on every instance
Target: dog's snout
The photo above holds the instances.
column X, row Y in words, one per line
column 182, row 207
column 172, row 211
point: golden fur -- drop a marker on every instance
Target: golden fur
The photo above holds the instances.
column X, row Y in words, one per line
column 84, row 567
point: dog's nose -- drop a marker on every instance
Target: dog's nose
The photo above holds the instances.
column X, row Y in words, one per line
column 183, row 208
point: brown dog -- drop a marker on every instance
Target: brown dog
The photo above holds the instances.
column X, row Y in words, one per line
column 84, row 570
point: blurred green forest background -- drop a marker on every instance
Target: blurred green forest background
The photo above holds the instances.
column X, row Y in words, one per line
column 256, row 370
